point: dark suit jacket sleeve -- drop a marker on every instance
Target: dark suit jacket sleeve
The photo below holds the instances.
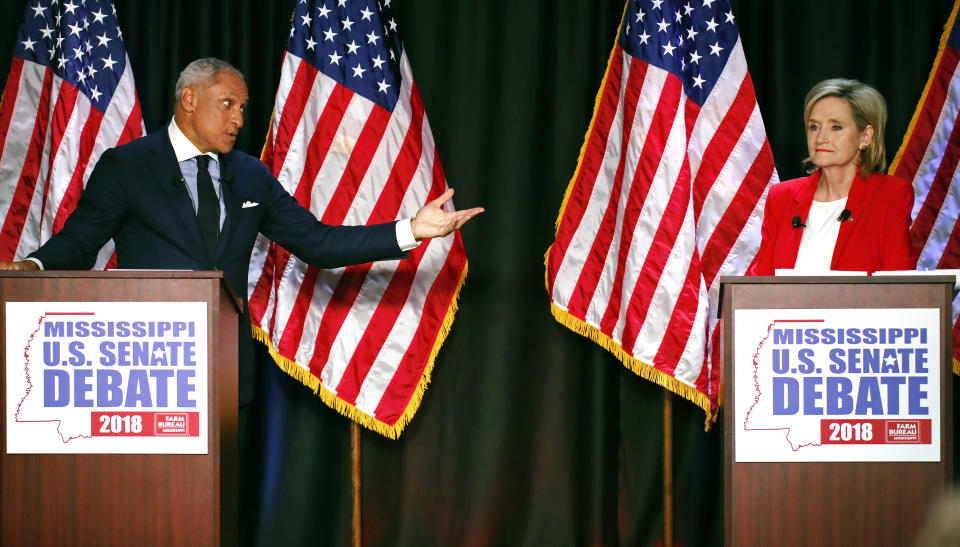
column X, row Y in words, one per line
column 898, row 252
column 97, row 217
column 318, row 244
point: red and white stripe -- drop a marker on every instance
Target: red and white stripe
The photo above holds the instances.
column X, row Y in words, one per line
column 666, row 199
column 364, row 336
column 930, row 157
column 50, row 139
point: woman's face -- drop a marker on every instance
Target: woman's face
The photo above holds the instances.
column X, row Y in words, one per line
column 832, row 136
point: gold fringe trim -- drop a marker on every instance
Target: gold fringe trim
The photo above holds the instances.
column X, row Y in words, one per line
column 640, row 368
column 926, row 90
column 266, row 140
column 347, row 409
column 593, row 121
column 956, row 366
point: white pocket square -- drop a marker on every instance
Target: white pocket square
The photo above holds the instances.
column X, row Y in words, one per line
column 249, row 204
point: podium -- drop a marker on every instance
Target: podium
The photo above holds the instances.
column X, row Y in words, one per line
column 128, row 498
column 826, row 500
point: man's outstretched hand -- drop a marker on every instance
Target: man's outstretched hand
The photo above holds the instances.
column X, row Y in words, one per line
column 433, row 221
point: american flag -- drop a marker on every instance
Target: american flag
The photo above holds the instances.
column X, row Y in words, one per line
column 666, row 198
column 930, row 156
column 69, row 96
column 350, row 140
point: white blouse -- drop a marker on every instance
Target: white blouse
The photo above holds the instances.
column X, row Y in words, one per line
column 820, row 236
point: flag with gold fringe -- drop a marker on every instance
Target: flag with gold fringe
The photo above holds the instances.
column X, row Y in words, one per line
column 349, row 139
column 666, row 198
column 930, row 156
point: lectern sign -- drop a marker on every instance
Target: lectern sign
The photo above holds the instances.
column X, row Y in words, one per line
column 106, row 377
column 837, row 385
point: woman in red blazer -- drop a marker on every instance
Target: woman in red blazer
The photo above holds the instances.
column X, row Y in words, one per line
column 845, row 215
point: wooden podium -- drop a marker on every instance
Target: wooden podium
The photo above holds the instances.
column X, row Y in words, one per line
column 832, row 502
column 129, row 499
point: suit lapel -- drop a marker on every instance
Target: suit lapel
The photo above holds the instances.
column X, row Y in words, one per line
column 802, row 199
column 231, row 201
column 172, row 188
column 856, row 201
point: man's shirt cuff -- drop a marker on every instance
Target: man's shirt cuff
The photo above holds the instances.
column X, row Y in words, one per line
column 35, row 261
column 405, row 238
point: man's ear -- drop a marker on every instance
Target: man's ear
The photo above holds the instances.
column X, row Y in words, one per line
column 188, row 100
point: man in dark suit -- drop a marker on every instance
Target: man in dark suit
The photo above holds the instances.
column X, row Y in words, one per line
column 182, row 198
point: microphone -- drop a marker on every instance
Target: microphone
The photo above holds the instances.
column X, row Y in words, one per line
column 797, row 223
column 179, row 180
column 845, row 215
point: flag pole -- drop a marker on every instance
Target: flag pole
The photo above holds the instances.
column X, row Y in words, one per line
column 667, row 468
column 355, row 476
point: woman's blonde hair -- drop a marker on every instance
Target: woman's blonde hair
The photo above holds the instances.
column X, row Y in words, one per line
column 867, row 107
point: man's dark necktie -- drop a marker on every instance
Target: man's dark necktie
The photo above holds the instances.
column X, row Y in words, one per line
column 208, row 206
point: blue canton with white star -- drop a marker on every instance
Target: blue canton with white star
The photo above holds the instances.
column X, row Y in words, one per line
column 692, row 39
column 80, row 40
column 355, row 42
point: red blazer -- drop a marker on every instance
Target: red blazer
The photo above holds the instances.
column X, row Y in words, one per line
column 877, row 236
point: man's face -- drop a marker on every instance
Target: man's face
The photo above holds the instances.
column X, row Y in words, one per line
column 215, row 112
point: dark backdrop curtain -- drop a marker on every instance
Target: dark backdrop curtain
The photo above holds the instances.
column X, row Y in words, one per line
column 529, row 434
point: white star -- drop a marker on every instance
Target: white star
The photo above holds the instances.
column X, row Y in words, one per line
column 86, row 22
column 335, row 59
column 81, row 76
column 698, row 81
column 61, row 61
column 104, row 40
column 683, row 64
column 74, row 30
column 668, row 49
column 383, row 85
column 89, row 47
column 119, row 33
column 38, row 10
column 91, row 71
column 663, row 26
column 310, row 42
column 59, row 39
column 644, row 37
column 692, row 34
column 353, row 47
column 694, row 57
column 387, row 3
column 393, row 25
column 687, row 9
column 366, row 14
column 109, row 62
column 159, row 354
column 292, row 30
column 711, row 25
column 640, row 15
column 729, row 17
column 377, row 61
column 53, row 53
column 890, row 360
column 715, row 49
column 392, row 56
column 347, row 24
column 306, row 20
column 47, row 32
column 98, row 16
column 372, row 37
column 329, row 35
column 708, row 3
column 656, row 3
column 341, row 3
column 57, row 18
column 95, row 95
column 78, row 53
column 28, row 44
column 324, row 10
column 358, row 72
column 677, row 15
